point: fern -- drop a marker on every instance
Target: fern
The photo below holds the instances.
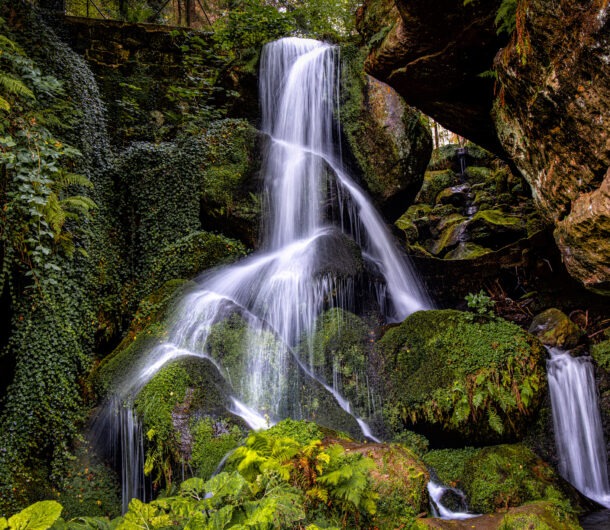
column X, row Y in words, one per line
column 506, row 17
column 15, row 86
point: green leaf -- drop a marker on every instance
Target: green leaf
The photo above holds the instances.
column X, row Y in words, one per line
column 38, row 516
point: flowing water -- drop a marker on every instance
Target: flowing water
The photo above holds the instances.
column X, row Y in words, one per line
column 578, row 428
column 439, row 497
column 312, row 206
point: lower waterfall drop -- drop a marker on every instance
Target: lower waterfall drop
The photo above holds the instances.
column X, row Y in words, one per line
column 578, row 427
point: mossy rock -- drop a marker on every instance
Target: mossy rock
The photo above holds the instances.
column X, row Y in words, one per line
column 479, row 174
column 147, row 330
column 449, row 465
column 555, row 329
column 449, row 237
column 306, row 398
column 434, row 183
column 460, row 377
column 387, row 139
column 340, row 353
column 180, row 408
column 495, row 229
column 455, row 195
column 399, row 478
column 505, row 476
column 467, row 250
column 601, row 353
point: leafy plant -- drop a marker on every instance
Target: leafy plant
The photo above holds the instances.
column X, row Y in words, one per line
column 39, row 516
column 481, row 303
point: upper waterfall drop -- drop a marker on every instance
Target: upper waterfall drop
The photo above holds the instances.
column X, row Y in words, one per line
column 280, row 291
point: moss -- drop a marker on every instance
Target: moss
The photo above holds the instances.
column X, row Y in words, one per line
column 450, row 464
column 339, row 354
column 183, row 389
column 476, row 378
column 540, row 515
column 449, row 237
column 191, row 255
column 434, row 183
column 302, row 431
column 496, row 217
column 212, row 441
column 477, row 174
column 601, row 353
column 147, row 329
column 509, row 475
column 415, row 442
column 467, row 250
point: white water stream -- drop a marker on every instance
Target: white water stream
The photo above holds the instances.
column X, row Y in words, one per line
column 578, row 427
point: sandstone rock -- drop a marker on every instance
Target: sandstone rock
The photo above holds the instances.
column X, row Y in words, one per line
column 552, row 117
column 433, row 55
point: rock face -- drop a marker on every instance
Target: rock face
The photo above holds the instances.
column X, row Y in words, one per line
column 433, row 57
column 386, row 138
column 552, row 117
column 552, row 102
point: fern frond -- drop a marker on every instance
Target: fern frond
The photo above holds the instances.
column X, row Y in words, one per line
column 78, row 203
column 65, row 179
column 4, row 105
column 15, row 86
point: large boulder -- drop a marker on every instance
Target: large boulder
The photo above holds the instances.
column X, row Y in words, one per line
column 433, row 55
column 555, row 329
column 460, row 378
column 387, row 139
column 551, row 116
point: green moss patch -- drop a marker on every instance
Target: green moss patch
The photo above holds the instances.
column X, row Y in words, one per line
column 477, row 378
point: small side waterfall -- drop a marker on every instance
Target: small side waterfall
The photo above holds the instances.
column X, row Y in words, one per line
column 578, row 428
column 438, row 497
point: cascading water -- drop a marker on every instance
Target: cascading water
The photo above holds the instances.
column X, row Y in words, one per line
column 281, row 290
column 578, row 428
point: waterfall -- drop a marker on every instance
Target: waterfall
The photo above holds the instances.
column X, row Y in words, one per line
column 281, row 290
column 439, row 495
column 578, row 428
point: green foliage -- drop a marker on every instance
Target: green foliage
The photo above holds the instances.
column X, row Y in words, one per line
column 39, row 516
column 481, row 303
column 301, row 431
column 601, row 353
column 35, row 174
column 89, row 488
column 506, row 16
column 450, row 464
column 480, row 379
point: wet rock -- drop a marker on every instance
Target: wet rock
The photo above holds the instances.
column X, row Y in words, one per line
column 467, row 250
column 389, row 144
column 495, row 229
column 555, row 329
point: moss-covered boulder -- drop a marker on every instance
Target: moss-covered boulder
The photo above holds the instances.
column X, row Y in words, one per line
column 435, row 182
column 504, row 476
column 389, row 143
column 554, row 328
column 460, row 377
column 494, row 228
